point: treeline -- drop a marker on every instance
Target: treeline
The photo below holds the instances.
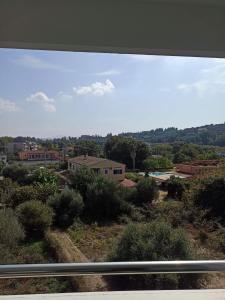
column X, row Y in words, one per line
column 203, row 135
column 213, row 134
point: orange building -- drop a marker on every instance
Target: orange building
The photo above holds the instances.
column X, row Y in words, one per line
column 39, row 155
column 196, row 167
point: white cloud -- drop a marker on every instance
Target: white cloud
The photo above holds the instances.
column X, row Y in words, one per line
column 211, row 80
column 96, row 89
column 108, row 72
column 7, row 105
column 42, row 99
column 64, row 96
column 33, row 62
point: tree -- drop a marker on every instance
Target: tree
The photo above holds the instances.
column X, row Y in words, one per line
column 81, row 178
column 126, row 150
column 44, row 176
column 35, row 216
column 87, row 148
column 67, row 205
column 151, row 242
column 210, row 195
column 104, row 201
column 44, row 191
column 147, row 191
column 176, row 187
column 157, row 163
column 11, row 231
column 22, row 194
column 16, row 172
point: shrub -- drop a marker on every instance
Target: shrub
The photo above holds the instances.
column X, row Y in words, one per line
column 44, row 191
column 156, row 163
column 133, row 176
column 11, row 232
column 176, row 187
column 210, row 195
column 67, row 205
column 147, row 191
column 16, row 172
column 104, row 201
column 168, row 211
column 151, row 242
column 44, row 176
column 22, row 194
column 81, row 178
column 35, row 216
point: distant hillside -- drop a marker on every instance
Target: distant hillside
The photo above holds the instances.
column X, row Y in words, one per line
column 204, row 135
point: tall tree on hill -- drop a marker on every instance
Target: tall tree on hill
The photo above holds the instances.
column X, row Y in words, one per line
column 123, row 149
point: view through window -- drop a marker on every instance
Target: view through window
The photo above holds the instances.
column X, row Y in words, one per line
column 121, row 156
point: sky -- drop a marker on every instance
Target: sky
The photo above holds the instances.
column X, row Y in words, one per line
column 55, row 93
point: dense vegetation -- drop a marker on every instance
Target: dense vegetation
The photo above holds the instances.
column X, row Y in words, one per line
column 180, row 219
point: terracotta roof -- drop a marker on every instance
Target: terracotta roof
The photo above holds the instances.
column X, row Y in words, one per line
column 89, row 161
column 128, row 183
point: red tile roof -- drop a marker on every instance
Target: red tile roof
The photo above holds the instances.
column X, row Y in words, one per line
column 128, row 183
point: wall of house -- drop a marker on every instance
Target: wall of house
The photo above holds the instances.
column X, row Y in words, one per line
column 102, row 170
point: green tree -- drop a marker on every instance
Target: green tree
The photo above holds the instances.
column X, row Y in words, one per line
column 157, row 163
column 104, row 201
column 152, row 242
column 210, row 195
column 147, row 191
column 176, row 187
column 11, row 231
column 81, row 178
column 35, row 216
column 22, row 194
column 126, row 150
column 44, row 176
column 16, row 172
column 87, row 148
column 67, row 205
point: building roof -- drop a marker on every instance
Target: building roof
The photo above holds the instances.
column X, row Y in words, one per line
column 128, row 183
column 206, row 163
column 91, row 161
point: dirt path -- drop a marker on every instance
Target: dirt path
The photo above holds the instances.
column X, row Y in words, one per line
column 66, row 251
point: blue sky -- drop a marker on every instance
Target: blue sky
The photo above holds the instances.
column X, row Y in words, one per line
column 49, row 93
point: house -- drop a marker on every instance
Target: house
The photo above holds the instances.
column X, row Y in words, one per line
column 15, row 147
column 197, row 167
column 39, row 155
column 110, row 169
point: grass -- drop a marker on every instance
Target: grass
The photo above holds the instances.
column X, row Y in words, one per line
column 95, row 241
column 34, row 251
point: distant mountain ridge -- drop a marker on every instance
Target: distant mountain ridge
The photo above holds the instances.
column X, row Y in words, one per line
column 213, row 134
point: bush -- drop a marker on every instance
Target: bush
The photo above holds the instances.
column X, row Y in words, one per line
column 168, row 211
column 151, row 242
column 156, row 163
column 104, row 201
column 147, row 191
column 67, row 205
column 44, row 176
column 44, row 191
column 81, row 178
column 35, row 216
column 133, row 176
column 176, row 187
column 11, row 232
column 16, row 172
column 210, row 195
column 22, row 194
